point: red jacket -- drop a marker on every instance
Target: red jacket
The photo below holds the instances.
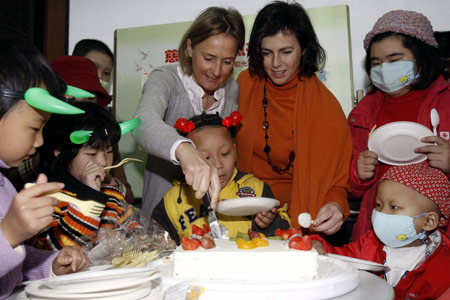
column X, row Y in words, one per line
column 429, row 281
column 363, row 117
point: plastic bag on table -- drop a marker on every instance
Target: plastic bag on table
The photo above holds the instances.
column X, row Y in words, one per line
column 134, row 242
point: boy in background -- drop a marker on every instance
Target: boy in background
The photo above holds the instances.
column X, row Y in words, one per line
column 81, row 72
column 100, row 54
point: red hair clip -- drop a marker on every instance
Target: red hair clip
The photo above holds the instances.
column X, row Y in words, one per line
column 232, row 120
column 183, row 125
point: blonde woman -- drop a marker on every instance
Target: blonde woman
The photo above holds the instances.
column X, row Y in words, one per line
column 202, row 82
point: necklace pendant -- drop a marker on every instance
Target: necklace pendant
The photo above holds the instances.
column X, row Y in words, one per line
column 267, row 150
column 265, row 102
column 265, row 125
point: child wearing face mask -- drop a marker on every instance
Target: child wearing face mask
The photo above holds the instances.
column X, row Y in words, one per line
column 103, row 58
column 411, row 202
column 180, row 210
column 76, row 150
column 82, row 73
column 404, row 67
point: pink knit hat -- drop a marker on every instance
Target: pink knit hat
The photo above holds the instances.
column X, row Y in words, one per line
column 403, row 21
column 428, row 181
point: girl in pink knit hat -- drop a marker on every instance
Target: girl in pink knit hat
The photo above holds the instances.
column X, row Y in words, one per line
column 404, row 67
column 412, row 201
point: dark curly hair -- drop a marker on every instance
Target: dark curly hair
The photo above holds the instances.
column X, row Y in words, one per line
column 287, row 18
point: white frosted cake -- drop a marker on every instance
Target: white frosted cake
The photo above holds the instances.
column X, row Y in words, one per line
column 226, row 262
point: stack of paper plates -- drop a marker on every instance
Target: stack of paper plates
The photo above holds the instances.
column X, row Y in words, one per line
column 130, row 283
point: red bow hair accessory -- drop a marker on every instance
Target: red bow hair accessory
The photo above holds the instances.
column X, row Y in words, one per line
column 183, row 125
column 232, row 120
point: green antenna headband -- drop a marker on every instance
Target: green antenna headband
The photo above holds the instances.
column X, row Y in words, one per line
column 78, row 93
column 41, row 99
column 82, row 136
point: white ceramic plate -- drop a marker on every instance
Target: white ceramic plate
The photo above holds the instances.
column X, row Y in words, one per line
column 100, row 268
column 97, row 281
column 88, row 287
column 157, row 293
column 360, row 263
column 246, row 206
column 37, row 290
column 395, row 142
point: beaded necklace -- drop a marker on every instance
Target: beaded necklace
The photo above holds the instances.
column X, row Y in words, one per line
column 267, row 148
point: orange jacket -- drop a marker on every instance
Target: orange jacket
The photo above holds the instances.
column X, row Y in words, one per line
column 322, row 143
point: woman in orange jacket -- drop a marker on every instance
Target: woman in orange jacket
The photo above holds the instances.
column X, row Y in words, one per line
column 294, row 136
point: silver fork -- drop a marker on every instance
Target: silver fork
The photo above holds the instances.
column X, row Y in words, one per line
column 123, row 161
column 87, row 207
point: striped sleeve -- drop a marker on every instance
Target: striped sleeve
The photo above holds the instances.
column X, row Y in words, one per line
column 71, row 227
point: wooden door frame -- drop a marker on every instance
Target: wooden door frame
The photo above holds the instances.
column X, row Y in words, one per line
column 55, row 28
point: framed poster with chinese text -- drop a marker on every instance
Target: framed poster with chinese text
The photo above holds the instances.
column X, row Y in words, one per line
column 138, row 50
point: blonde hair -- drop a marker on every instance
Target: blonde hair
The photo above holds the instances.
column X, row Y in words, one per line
column 212, row 21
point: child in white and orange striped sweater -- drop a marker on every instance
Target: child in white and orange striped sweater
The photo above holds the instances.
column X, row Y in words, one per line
column 76, row 150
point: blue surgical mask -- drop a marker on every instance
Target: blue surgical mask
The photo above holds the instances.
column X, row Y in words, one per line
column 391, row 77
column 396, row 230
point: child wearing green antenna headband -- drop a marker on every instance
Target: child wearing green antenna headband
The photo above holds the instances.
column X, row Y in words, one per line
column 28, row 87
column 76, row 151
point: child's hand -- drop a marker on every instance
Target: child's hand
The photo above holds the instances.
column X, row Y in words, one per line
column 92, row 175
column 70, row 259
column 318, row 246
column 110, row 180
column 30, row 212
column 265, row 218
column 438, row 155
column 367, row 164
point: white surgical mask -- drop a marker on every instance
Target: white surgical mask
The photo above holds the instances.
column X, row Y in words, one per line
column 391, row 77
column 396, row 230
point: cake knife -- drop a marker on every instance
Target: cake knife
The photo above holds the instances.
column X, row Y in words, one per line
column 212, row 218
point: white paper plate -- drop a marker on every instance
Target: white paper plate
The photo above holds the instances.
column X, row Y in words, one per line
column 97, row 281
column 395, row 142
column 360, row 263
column 246, row 206
column 37, row 290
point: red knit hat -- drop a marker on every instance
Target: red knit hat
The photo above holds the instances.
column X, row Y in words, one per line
column 82, row 73
column 428, row 181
